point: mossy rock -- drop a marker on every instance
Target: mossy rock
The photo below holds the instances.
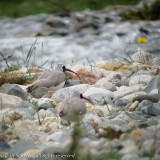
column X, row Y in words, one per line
column 15, row 77
column 120, row 67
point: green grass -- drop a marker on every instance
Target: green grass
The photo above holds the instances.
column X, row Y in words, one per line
column 12, row 68
column 20, row 8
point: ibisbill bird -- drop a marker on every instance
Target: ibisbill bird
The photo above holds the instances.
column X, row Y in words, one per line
column 54, row 79
column 73, row 109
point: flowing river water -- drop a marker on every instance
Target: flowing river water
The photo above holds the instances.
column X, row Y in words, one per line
column 101, row 37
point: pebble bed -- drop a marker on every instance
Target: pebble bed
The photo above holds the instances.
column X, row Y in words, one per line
column 123, row 123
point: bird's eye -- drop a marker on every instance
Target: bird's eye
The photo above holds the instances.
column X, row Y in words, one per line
column 81, row 96
column 64, row 68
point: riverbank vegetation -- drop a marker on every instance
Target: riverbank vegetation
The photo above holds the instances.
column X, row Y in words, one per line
column 20, row 8
column 149, row 11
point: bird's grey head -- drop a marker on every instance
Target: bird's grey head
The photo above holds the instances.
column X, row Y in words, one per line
column 60, row 67
column 76, row 94
column 80, row 95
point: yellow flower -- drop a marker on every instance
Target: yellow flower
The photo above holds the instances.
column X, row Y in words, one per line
column 142, row 40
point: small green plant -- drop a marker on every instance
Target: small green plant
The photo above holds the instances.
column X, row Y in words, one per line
column 12, row 68
column 76, row 136
column 35, row 103
column 52, row 64
column 4, row 126
column 64, row 122
column 39, row 119
column 17, row 138
column 69, row 76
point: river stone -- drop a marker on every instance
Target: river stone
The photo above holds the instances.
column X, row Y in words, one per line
column 60, row 136
column 130, row 156
column 157, row 155
column 134, row 96
column 44, row 113
column 123, row 82
column 153, row 110
column 148, row 145
column 118, row 123
column 92, row 117
column 99, row 73
column 153, row 87
column 138, row 116
column 144, row 103
column 69, row 83
column 156, row 61
column 102, row 110
column 45, row 106
column 34, row 153
column 99, row 96
column 27, row 104
column 151, row 134
column 54, row 149
column 67, row 92
column 20, row 147
column 55, row 22
column 103, row 83
column 27, row 112
column 39, row 92
column 3, row 127
column 152, row 121
column 142, row 57
column 143, row 124
column 88, row 128
column 125, row 90
column 100, row 63
column 142, row 97
column 140, row 79
column 40, row 101
column 12, row 142
column 133, row 106
column 114, row 77
column 4, row 147
column 14, row 89
column 121, row 102
column 136, row 70
column 10, row 101
column 8, row 115
column 129, row 146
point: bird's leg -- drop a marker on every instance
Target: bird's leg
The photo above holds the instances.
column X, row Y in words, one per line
column 82, row 125
column 78, row 123
column 69, row 124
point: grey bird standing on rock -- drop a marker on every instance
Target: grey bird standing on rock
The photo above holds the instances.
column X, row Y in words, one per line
column 54, row 79
column 73, row 109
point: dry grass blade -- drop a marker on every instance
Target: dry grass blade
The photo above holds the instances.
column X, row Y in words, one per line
column 5, row 59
